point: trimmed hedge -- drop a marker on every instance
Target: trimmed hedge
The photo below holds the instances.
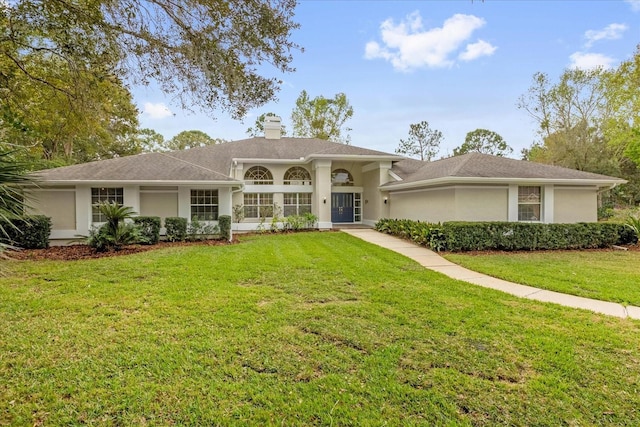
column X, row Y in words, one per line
column 224, row 222
column 28, row 232
column 509, row 236
column 149, row 227
column 176, row 228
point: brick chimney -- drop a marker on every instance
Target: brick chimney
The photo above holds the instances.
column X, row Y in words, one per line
column 272, row 127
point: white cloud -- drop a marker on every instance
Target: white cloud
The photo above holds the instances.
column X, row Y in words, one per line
column 156, row 110
column 635, row 5
column 610, row 32
column 408, row 45
column 476, row 50
column 589, row 61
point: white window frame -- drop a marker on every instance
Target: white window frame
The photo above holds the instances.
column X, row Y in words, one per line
column 294, row 207
column 263, row 206
column 104, row 194
column 206, row 199
column 528, row 200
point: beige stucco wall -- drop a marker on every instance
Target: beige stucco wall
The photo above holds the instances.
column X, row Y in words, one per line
column 162, row 204
column 481, row 204
column 425, row 205
column 575, row 205
column 354, row 167
column 371, row 196
column 451, row 204
column 60, row 205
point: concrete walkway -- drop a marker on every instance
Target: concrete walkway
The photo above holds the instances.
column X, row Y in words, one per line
column 435, row 262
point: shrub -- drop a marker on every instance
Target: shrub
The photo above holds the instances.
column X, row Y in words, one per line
column 27, row 232
column 310, row 220
column 176, row 228
column 197, row 230
column 294, row 222
column 224, row 222
column 633, row 227
column 105, row 238
column 115, row 233
column 149, row 227
column 508, row 236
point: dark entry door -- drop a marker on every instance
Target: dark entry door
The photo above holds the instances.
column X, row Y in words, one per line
column 341, row 207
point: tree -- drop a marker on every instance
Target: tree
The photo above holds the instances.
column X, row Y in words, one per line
column 191, row 139
column 206, row 53
column 258, row 128
column 423, row 142
column 322, row 118
column 149, row 141
column 622, row 92
column 483, row 141
column 589, row 120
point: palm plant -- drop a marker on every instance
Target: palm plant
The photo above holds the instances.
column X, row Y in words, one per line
column 115, row 233
column 634, row 223
column 12, row 177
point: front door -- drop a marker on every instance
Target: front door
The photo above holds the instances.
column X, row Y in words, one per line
column 341, row 207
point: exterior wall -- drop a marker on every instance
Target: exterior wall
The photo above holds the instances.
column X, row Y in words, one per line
column 375, row 202
column 481, row 204
column 431, row 205
column 575, row 204
column 321, row 200
column 59, row 204
column 371, row 196
column 162, row 203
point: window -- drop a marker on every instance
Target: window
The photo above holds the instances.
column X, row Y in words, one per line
column 297, row 203
column 258, row 205
column 204, row 205
column 99, row 195
column 529, row 202
column 341, row 178
column 297, row 176
column 258, row 175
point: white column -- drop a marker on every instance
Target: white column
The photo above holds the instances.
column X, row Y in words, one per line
column 512, row 214
column 321, row 199
column 83, row 210
column 547, row 203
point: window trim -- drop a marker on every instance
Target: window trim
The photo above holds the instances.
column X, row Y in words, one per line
column 297, row 205
column 259, row 206
column 530, row 201
column 96, row 216
column 214, row 196
column 258, row 175
column 303, row 177
column 348, row 183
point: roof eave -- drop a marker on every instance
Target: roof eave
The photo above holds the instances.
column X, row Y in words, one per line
column 600, row 183
column 141, row 182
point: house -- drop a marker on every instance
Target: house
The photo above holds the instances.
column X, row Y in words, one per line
column 336, row 182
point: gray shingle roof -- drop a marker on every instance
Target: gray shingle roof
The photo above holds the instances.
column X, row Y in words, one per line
column 213, row 164
column 476, row 165
column 142, row 167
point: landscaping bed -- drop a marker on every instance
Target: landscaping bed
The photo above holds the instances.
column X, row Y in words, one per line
column 79, row 251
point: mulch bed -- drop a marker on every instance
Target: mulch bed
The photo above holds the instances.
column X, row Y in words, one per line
column 78, row 251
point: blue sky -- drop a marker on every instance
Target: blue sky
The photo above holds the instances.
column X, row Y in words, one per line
column 458, row 64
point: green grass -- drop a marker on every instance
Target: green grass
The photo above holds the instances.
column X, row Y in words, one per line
column 609, row 276
column 303, row 329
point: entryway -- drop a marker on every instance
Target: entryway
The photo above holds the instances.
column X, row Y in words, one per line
column 341, row 207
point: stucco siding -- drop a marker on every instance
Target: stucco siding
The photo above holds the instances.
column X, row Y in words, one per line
column 481, row 204
column 371, row 199
column 575, row 205
column 159, row 204
column 425, row 205
column 60, row 205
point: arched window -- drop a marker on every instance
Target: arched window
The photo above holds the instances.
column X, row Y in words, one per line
column 341, row 178
column 297, row 176
column 258, row 175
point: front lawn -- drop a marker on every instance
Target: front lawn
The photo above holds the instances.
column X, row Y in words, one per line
column 605, row 275
column 301, row 329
